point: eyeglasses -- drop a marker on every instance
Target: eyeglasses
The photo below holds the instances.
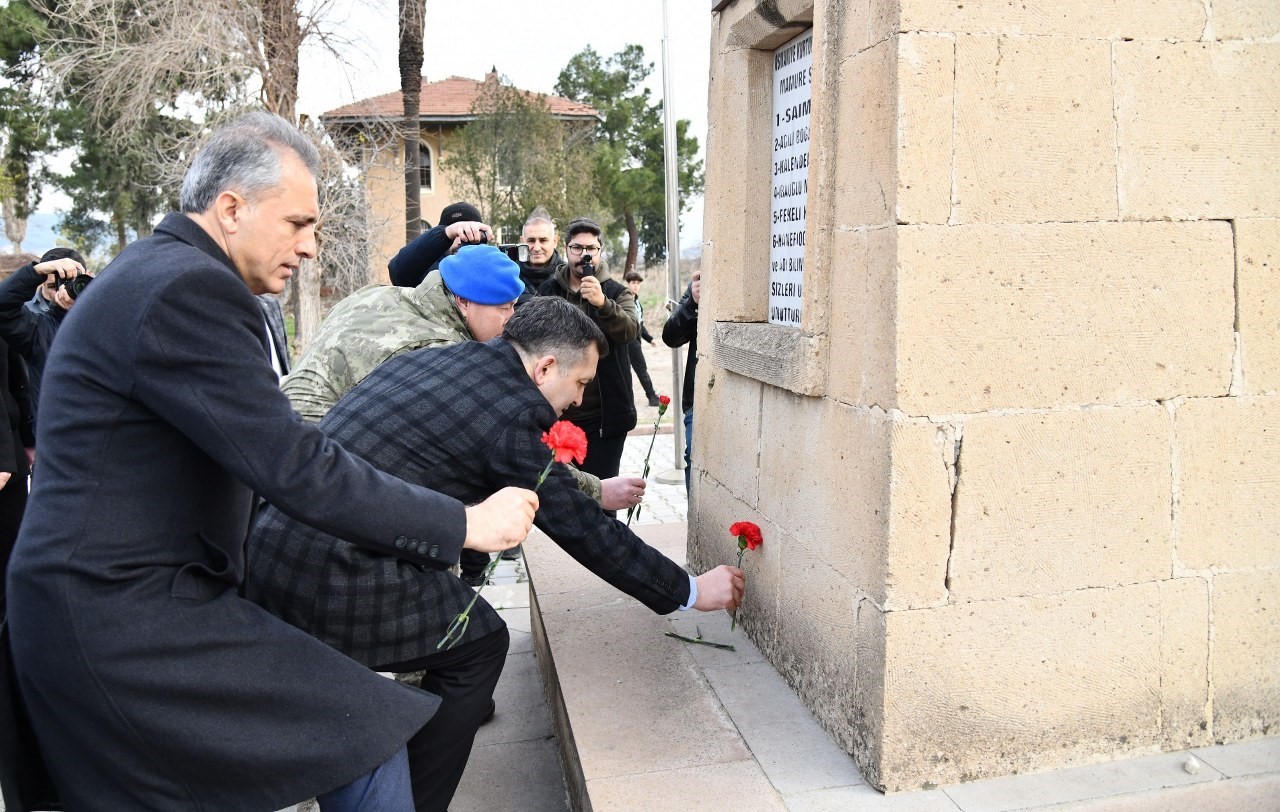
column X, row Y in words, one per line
column 583, row 249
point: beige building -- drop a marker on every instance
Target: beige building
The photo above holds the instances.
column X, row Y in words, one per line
column 1005, row 398
column 444, row 106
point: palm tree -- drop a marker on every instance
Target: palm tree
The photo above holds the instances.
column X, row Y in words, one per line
column 413, row 15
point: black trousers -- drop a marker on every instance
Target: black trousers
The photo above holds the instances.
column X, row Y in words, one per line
column 636, row 353
column 464, row 678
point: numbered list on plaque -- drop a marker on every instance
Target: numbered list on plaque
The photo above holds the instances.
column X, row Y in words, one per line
column 792, row 99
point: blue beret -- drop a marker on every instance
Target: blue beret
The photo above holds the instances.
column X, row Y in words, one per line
column 482, row 274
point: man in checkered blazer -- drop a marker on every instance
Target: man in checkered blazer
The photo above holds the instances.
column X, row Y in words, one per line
column 465, row 421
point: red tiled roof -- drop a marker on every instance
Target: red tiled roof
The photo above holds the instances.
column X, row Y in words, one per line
column 447, row 100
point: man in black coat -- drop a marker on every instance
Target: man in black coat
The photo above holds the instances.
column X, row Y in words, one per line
column 466, row 420
column 150, row 683
column 681, row 328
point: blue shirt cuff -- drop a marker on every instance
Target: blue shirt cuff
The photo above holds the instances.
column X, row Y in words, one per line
column 693, row 594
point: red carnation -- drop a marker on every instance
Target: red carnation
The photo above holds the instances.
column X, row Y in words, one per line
column 748, row 533
column 566, row 441
column 749, row 538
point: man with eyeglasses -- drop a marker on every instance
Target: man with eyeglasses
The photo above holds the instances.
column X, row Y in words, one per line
column 607, row 411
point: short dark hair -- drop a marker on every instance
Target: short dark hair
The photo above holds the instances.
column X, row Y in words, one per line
column 632, row 276
column 63, row 253
column 549, row 325
column 582, row 225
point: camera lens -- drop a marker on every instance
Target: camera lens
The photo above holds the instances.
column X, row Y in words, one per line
column 76, row 284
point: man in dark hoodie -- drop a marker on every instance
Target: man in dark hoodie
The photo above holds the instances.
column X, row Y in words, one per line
column 608, row 409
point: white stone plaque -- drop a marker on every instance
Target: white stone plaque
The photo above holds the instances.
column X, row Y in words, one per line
column 789, row 193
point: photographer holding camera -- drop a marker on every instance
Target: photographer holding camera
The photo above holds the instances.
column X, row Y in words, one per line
column 60, row 277
column 460, row 224
column 608, row 409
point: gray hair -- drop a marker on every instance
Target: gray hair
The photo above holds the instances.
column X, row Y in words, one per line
column 244, row 156
column 540, row 215
column 549, row 325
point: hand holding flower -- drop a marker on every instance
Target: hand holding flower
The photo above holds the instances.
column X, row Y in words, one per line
column 567, row 442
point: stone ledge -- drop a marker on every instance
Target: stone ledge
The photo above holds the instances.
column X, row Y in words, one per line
column 633, row 712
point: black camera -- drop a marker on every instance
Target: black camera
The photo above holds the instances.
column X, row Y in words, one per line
column 516, row 251
column 75, row 285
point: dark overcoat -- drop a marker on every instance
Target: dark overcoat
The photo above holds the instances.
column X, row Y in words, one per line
column 150, row 682
column 465, row 420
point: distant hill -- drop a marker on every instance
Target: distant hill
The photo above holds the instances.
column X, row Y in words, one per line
column 42, row 234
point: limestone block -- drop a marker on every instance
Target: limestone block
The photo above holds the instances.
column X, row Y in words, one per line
column 1196, row 125
column 779, row 356
column 1258, row 289
column 1035, row 131
column 991, row 317
column 1245, row 19
column 926, row 95
column 1184, row 652
column 1085, row 19
column 1228, row 511
column 738, row 164
column 832, row 636
column 828, row 482
column 920, row 515
column 860, row 371
column 1056, row 501
column 865, row 177
column 726, row 436
column 1246, row 654
column 998, row 687
column 864, row 23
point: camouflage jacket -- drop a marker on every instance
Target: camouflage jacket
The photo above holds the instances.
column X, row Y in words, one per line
column 365, row 329
column 370, row 326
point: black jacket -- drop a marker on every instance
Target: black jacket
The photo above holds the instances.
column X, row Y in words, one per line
column 681, row 328
column 151, row 683
column 610, row 396
column 421, row 256
column 533, row 278
column 27, row 330
column 466, row 421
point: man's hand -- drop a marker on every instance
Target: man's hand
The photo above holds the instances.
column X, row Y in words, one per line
column 467, row 233
column 501, row 521
column 695, row 287
column 621, row 492
column 720, row 588
column 64, row 268
column 591, row 291
column 5, row 476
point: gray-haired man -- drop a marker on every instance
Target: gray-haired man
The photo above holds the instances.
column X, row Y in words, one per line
column 150, row 683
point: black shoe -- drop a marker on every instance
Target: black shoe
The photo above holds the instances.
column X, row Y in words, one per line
column 473, row 580
column 653, row 400
column 513, row 554
column 488, row 715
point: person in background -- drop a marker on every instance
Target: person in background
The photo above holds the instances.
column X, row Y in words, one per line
column 608, row 410
column 460, row 224
column 58, row 277
column 681, row 328
column 544, row 261
column 634, row 280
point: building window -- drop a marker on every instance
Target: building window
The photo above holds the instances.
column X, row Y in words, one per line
column 424, row 166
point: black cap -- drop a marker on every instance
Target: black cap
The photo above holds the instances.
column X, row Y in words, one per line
column 460, row 213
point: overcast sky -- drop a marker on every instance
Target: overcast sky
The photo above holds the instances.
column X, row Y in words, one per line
column 528, row 42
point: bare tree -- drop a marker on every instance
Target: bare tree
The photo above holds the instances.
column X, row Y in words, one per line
column 413, row 15
column 127, row 58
